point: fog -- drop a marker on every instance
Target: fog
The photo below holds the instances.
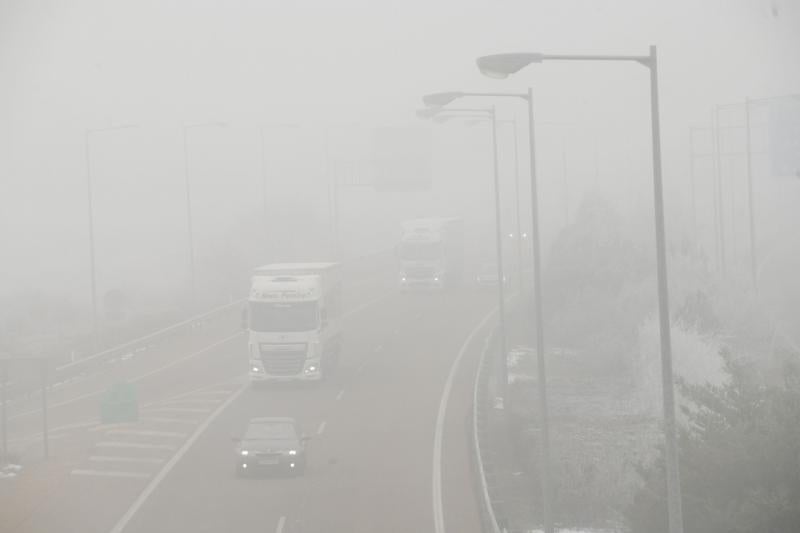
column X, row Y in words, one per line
column 221, row 136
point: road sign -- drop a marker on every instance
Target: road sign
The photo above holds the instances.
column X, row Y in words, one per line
column 784, row 136
column 401, row 158
column 119, row 404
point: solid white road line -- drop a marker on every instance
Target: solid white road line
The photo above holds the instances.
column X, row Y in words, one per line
column 179, row 410
column 191, row 401
column 339, row 396
column 134, row 445
column 167, row 420
column 119, row 459
column 165, row 470
column 133, row 380
column 110, row 473
column 438, row 507
column 281, row 523
column 145, row 433
column 321, row 428
column 214, row 392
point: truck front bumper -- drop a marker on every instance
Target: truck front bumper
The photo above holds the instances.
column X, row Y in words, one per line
column 311, row 372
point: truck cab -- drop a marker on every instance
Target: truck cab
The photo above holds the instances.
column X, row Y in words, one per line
column 293, row 322
column 430, row 253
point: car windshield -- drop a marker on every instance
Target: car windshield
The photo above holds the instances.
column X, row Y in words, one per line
column 268, row 317
column 270, row 431
column 420, row 251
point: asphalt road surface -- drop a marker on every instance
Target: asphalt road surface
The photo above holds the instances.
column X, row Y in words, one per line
column 371, row 464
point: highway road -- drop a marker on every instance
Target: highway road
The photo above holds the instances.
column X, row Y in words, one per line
column 373, row 464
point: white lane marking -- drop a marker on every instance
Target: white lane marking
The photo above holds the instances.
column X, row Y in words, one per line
column 110, row 473
column 120, row 459
column 135, row 445
column 438, row 507
column 321, row 428
column 179, row 410
column 179, row 361
column 145, row 433
column 379, row 348
column 339, row 396
column 281, row 523
column 185, row 358
column 190, row 401
column 167, row 420
column 133, row 380
column 104, row 427
column 235, row 381
column 213, row 392
column 165, row 470
column 363, row 306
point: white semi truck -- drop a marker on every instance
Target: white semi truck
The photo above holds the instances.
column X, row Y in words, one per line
column 294, row 321
column 430, row 253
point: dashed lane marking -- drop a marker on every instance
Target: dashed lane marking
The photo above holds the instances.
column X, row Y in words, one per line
column 321, row 428
column 339, row 396
column 281, row 523
column 167, row 468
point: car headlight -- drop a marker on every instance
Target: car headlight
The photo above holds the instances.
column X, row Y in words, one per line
column 244, row 452
column 292, row 452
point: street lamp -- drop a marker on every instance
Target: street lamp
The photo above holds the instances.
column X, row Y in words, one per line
column 512, row 63
column 503, row 65
column 264, row 191
column 90, row 209
column 189, row 225
column 519, row 235
column 444, row 114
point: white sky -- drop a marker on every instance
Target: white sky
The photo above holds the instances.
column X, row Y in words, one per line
column 69, row 66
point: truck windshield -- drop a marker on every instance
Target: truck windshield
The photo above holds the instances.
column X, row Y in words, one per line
column 420, row 251
column 274, row 317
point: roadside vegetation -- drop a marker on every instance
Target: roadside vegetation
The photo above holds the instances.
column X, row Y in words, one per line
column 738, row 394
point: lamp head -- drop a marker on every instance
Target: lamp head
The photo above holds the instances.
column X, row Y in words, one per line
column 502, row 65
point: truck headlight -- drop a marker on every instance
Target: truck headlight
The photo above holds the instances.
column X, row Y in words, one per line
column 292, row 452
column 244, row 453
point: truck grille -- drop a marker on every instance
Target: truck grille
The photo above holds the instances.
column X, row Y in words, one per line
column 419, row 273
column 283, row 359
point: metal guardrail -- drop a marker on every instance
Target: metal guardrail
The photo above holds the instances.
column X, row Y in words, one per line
column 479, row 416
column 64, row 371
column 68, row 370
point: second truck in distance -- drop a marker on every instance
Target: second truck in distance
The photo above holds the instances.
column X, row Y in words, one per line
column 430, row 253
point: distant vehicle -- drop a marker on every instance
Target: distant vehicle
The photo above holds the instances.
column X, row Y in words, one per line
column 271, row 445
column 293, row 319
column 430, row 253
column 488, row 276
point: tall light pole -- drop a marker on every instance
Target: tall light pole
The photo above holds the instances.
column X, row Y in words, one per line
column 518, row 217
column 188, row 194
column 546, row 477
column 442, row 114
column 501, row 66
column 90, row 210
column 440, row 99
column 265, row 173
